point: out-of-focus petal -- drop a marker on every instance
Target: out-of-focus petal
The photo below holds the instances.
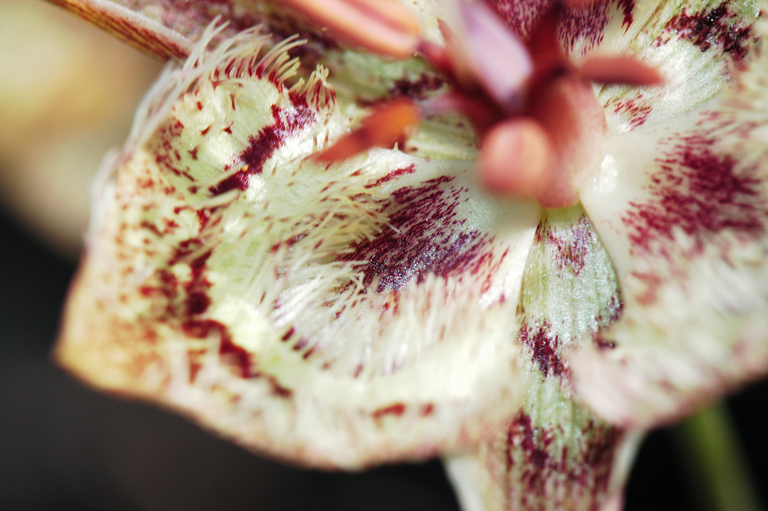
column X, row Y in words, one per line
column 169, row 29
column 137, row 24
column 554, row 453
column 333, row 315
column 681, row 209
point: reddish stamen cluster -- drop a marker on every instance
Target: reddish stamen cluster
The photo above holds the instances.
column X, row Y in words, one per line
column 538, row 119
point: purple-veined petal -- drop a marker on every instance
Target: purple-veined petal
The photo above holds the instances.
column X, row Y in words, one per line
column 696, row 47
column 332, row 315
column 681, row 210
column 604, row 25
column 554, row 453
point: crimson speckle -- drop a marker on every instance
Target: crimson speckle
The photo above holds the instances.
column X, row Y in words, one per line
column 263, row 145
column 197, row 303
column 396, row 410
column 589, row 467
column 570, row 251
column 150, row 227
column 166, row 156
column 394, row 174
column 236, row 356
column 424, row 236
column 635, row 108
column 427, row 410
column 200, row 329
column 287, row 335
column 302, row 343
column 532, row 443
column 627, row 6
column 699, row 192
column 277, row 389
column 599, row 454
column 715, row 27
column 604, row 344
column 544, row 346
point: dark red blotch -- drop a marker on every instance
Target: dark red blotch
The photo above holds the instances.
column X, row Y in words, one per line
column 544, row 346
column 263, row 145
column 423, row 236
column 699, row 192
column 714, row 27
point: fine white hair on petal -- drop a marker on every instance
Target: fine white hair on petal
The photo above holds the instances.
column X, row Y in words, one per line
column 334, row 315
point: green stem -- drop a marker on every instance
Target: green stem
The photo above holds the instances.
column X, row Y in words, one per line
column 714, row 458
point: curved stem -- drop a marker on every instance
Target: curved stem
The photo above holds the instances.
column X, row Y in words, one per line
column 714, row 458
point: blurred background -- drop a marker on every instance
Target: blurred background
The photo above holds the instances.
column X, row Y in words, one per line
column 67, row 94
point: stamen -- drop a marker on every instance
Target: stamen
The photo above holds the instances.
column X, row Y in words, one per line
column 500, row 60
column 383, row 128
column 621, row 69
column 385, row 27
column 482, row 113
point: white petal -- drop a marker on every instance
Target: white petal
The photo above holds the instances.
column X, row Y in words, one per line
column 335, row 316
column 681, row 209
column 695, row 45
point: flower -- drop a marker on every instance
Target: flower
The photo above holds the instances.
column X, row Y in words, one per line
column 386, row 306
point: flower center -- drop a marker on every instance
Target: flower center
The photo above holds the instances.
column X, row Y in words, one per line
column 537, row 118
column 542, row 155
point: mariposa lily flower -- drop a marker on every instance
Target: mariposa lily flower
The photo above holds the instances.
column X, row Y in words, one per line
column 257, row 263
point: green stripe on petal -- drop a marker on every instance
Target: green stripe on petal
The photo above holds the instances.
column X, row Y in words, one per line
column 554, row 453
column 680, row 208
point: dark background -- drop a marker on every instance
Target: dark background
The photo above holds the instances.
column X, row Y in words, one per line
column 63, row 446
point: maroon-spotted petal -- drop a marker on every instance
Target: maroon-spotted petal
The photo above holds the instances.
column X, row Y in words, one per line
column 681, row 210
column 335, row 315
column 554, row 453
